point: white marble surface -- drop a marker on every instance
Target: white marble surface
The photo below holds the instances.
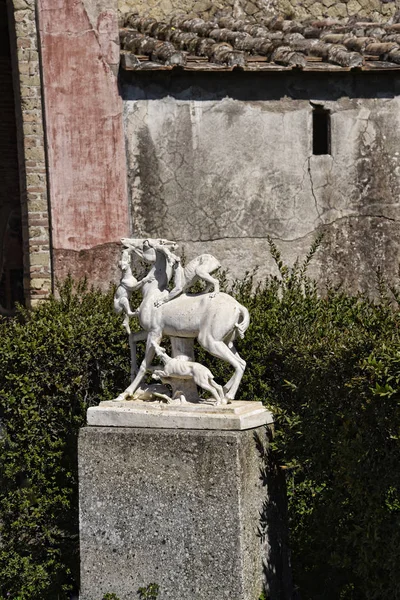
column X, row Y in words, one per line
column 212, row 317
column 237, row 416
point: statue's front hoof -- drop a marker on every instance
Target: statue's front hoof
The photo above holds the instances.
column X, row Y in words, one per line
column 227, row 399
column 121, row 398
column 222, row 401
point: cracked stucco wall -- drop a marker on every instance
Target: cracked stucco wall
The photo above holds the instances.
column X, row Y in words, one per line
column 380, row 10
column 220, row 163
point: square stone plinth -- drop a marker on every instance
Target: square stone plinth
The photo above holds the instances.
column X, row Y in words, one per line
column 236, row 416
column 184, row 509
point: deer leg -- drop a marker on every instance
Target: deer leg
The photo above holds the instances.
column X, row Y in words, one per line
column 236, row 353
column 145, row 365
column 232, row 380
column 205, row 276
column 137, row 336
column 220, row 350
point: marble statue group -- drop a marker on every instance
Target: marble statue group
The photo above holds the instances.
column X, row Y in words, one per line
column 170, row 309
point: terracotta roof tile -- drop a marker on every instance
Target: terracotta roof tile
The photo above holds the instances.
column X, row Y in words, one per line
column 274, row 44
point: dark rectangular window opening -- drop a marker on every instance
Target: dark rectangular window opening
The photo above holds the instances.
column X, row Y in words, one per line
column 321, row 131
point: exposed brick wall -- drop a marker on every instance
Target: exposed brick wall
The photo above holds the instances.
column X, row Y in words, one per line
column 380, row 10
column 10, row 207
column 32, row 160
column 64, row 70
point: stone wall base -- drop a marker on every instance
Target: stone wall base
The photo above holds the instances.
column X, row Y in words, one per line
column 185, row 509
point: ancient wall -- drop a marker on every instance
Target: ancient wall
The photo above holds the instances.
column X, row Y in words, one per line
column 72, row 163
column 380, row 10
column 31, row 150
column 84, row 132
column 70, row 139
column 219, row 162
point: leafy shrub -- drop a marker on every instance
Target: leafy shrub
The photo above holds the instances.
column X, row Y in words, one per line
column 55, row 362
column 150, row 592
column 328, row 366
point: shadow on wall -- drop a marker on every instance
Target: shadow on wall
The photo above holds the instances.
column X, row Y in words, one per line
column 11, row 263
column 245, row 86
column 11, row 272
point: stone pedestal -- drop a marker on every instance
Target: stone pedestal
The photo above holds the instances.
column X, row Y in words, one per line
column 185, row 508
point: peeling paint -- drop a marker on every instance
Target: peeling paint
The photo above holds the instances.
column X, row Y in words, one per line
column 84, row 125
column 98, row 264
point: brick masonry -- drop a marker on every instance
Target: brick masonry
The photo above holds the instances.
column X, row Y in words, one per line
column 379, row 10
column 32, row 154
column 71, row 143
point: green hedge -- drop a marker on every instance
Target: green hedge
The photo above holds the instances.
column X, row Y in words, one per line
column 328, row 365
column 55, row 362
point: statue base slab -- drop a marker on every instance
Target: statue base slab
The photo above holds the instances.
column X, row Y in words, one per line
column 237, row 416
column 196, row 512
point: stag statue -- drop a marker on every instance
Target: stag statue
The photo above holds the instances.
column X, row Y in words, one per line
column 212, row 317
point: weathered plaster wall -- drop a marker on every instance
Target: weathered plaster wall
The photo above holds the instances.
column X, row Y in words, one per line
column 84, row 130
column 219, row 162
column 380, row 10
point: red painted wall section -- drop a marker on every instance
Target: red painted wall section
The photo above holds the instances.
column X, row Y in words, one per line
column 84, row 132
